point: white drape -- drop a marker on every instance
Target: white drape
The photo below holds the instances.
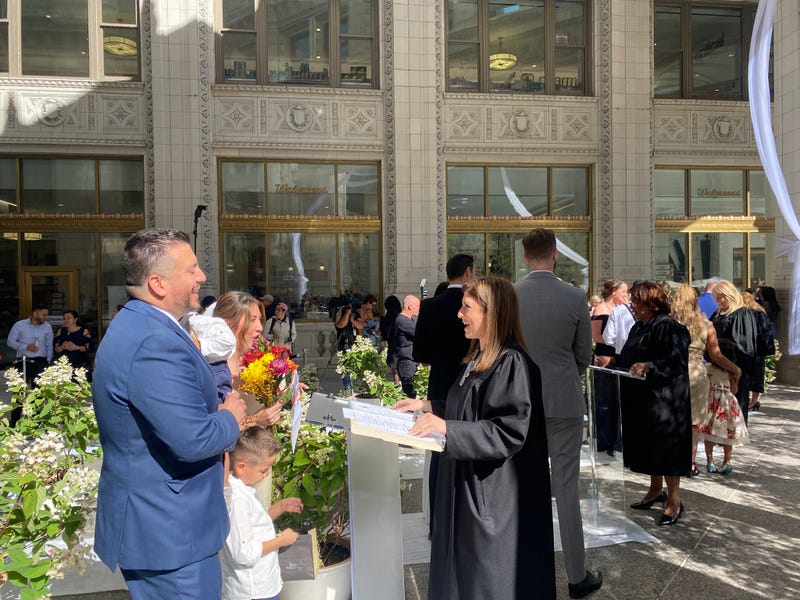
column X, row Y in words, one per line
column 758, row 87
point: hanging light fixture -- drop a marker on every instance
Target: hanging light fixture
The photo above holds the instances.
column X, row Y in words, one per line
column 502, row 61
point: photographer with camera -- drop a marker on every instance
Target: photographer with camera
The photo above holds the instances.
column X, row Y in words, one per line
column 344, row 322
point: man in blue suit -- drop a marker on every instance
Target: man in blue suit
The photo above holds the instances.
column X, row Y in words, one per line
column 160, row 510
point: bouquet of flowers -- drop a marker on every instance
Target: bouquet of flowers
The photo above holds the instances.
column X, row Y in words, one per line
column 267, row 374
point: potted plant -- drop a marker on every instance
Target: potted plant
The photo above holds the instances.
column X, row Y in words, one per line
column 316, row 472
column 47, row 488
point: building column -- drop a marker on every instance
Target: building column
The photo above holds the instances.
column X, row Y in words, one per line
column 180, row 77
column 415, row 160
column 786, row 125
column 623, row 221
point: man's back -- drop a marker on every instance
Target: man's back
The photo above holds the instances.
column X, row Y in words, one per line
column 439, row 341
column 555, row 325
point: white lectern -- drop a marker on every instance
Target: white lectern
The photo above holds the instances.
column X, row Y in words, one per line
column 376, row 539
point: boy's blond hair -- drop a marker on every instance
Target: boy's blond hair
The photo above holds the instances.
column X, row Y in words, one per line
column 255, row 444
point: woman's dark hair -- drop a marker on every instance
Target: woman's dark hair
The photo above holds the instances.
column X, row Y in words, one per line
column 653, row 295
column 392, row 304
column 609, row 287
column 74, row 313
column 769, row 301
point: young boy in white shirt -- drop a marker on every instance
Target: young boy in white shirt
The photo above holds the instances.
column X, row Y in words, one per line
column 249, row 558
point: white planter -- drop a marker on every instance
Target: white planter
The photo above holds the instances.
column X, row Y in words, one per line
column 331, row 583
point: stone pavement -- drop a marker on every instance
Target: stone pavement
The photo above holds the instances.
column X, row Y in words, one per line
column 739, row 537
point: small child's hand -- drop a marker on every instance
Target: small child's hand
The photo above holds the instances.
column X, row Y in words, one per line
column 287, row 537
column 293, row 505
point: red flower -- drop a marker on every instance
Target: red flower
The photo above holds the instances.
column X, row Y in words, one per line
column 250, row 356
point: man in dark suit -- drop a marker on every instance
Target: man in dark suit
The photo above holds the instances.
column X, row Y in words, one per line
column 558, row 336
column 160, row 510
column 439, row 342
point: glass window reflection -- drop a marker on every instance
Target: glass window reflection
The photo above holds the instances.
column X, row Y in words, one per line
column 58, row 249
column 58, row 186
column 465, row 192
column 717, row 192
column 55, row 38
column 670, row 257
column 358, row 190
column 300, row 189
column 242, row 188
column 517, row 191
column 8, row 186
column 718, row 255
column 716, row 52
column 121, row 187
column 570, row 192
column 298, row 47
column 669, row 187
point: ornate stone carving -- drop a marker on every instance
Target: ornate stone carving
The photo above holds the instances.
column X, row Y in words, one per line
column 488, row 123
column 522, row 124
column 207, row 256
column 147, row 82
column 121, row 113
column 464, row 123
column 603, row 231
column 725, row 129
column 671, row 129
column 441, row 191
column 49, row 111
column 262, row 119
column 237, row 116
column 361, row 120
column 91, row 109
column 335, row 119
column 299, row 118
column 577, row 126
column 389, row 162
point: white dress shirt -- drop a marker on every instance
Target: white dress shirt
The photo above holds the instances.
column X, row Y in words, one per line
column 23, row 333
column 619, row 325
column 245, row 573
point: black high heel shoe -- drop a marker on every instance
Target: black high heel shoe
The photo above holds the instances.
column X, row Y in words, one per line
column 667, row 520
column 646, row 504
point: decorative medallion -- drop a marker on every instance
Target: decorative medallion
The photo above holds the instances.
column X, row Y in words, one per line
column 723, row 128
column 519, row 123
column 51, row 111
column 299, row 117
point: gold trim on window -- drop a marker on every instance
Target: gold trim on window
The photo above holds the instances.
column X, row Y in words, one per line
column 73, row 223
column 582, row 224
column 298, row 224
column 715, row 224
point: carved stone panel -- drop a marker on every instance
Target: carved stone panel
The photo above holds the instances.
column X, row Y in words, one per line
column 465, row 123
column 722, row 128
column 525, row 124
column 671, row 129
column 121, row 112
column 299, row 118
column 50, row 110
column 577, row 126
column 237, row 115
column 361, row 120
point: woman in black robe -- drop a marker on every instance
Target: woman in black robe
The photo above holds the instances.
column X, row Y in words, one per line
column 656, row 411
column 492, row 534
column 737, row 327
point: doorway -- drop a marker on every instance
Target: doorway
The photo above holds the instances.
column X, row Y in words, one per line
column 54, row 288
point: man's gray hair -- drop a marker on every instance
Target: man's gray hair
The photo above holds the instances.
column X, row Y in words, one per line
column 144, row 250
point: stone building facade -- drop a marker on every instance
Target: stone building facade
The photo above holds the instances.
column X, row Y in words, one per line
column 362, row 166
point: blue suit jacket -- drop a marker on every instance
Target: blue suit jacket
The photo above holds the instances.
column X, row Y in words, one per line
column 160, row 504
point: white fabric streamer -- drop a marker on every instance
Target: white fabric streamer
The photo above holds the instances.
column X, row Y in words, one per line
column 760, row 112
column 520, row 209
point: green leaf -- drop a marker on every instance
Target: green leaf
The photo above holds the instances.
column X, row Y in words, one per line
column 308, row 484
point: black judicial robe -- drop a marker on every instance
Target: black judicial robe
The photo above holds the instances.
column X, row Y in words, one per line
column 657, row 412
column 493, row 524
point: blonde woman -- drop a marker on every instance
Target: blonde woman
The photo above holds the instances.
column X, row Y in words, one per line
column 703, row 340
column 736, row 328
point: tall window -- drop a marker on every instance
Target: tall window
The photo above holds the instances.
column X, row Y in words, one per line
column 701, row 49
column 533, row 46
column 311, row 42
column 95, row 39
column 491, row 208
column 714, row 223
column 305, row 232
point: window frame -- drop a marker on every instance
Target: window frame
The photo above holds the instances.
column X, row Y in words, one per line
column 96, row 27
column 748, row 13
column 484, row 51
column 487, row 225
column 334, row 34
column 690, row 225
column 265, row 224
